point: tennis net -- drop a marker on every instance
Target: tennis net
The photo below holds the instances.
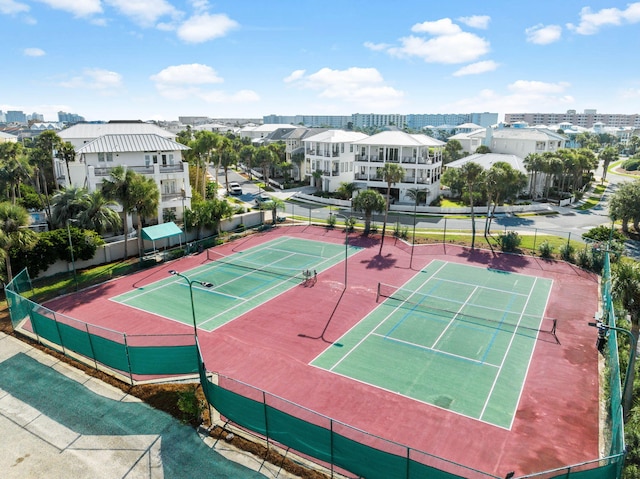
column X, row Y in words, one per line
column 450, row 309
column 270, row 269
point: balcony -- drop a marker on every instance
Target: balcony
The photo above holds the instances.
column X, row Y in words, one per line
column 408, row 159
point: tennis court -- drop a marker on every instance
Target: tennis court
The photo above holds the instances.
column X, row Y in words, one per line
column 226, row 287
column 455, row 336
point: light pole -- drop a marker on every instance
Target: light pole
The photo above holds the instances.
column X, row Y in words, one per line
column 73, row 261
column 346, row 244
column 418, row 192
column 206, row 284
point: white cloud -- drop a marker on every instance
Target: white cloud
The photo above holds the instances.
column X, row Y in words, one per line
column 143, row 12
column 448, row 49
column 296, row 75
column 522, row 95
column 95, row 79
column 590, row 22
column 376, row 47
column 543, row 35
column 193, row 74
column 34, row 52
column 444, row 26
column 183, row 82
column 476, row 21
column 537, row 87
column 79, row 8
column 11, row 7
column 476, row 68
column 203, row 27
column 364, row 87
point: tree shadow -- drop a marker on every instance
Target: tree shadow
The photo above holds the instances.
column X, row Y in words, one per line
column 380, row 262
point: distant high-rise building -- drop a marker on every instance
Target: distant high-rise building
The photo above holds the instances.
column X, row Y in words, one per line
column 3, row 118
column 311, row 121
column 35, row 117
column 379, row 120
column 15, row 116
column 584, row 120
column 69, row 118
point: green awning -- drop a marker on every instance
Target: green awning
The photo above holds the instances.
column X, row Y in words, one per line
column 164, row 230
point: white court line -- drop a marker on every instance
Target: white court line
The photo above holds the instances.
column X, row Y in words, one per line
column 506, row 353
column 452, row 320
column 505, row 291
column 439, row 351
column 394, row 310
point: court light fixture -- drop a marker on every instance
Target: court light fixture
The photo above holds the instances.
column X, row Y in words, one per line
column 191, row 282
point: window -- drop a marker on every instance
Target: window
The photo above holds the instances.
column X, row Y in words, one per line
column 147, row 160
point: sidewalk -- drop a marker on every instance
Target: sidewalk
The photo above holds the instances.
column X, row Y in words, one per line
column 57, row 422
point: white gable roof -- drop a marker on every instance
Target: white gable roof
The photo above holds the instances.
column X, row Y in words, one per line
column 131, row 143
column 95, row 130
column 399, row 138
column 336, row 136
column 488, row 159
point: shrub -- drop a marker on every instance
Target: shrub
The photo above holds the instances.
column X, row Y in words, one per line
column 632, row 164
column 510, row 241
column 331, row 221
column 396, row 230
column 190, row 406
column 546, row 249
column 567, row 252
column 584, row 259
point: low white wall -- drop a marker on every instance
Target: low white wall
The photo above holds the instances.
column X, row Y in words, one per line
column 114, row 251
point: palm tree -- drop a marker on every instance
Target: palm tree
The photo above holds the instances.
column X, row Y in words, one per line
column 14, row 221
column 473, row 175
column 145, row 198
column 99, row 214
column 608, row 156
column 228, row 157
column 533, row 163
column 67, row 204
column 246, row 153
column 118, row 187
column 625, row 290
column 392, row 173
column 49, row 143
column 14, row 168
column 368, row 201
column 68, row 153
column 265, row 157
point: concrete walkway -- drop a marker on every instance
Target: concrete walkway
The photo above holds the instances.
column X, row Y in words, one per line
column 57, row 422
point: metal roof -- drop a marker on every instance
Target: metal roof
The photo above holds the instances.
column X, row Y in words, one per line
column 131, row 143
column 336, row 136
column 95, row 130
column 399, row 138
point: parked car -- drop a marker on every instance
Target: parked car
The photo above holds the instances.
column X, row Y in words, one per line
column 235, row 188
column 262, row 198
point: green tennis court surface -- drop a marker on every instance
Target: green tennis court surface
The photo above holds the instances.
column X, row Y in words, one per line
column 454, row 336
column 241, row 281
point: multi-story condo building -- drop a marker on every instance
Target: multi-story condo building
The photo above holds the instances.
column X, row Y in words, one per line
column 585, row 120
column 366, row 120
column 142, row 147
column 293, row 145
column 69, row 118
column 331, row 155
column 413, row 121
column 419, row 155
column 420, row 122
column 15, row 116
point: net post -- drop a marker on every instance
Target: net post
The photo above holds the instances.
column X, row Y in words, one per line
column 378, row 293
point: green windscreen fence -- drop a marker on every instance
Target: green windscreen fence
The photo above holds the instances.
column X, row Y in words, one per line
column 275, row 418
column 133, row 356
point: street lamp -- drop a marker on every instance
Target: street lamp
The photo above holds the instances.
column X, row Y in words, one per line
column 346, row 244
column 206, row 284
column 73, row 261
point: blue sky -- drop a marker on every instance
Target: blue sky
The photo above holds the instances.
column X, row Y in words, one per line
column 160, row 59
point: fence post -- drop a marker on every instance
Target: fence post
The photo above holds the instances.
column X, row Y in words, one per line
column 59, row 335
column 331, row 444
column 266, row 421
column 535, row 237
column 126, row 349
column 93, row 353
